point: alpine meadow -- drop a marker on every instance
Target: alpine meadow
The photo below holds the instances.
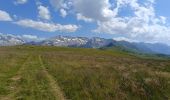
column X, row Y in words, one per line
column 58, row 73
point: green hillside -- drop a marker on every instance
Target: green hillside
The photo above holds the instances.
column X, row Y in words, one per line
column 60, row 73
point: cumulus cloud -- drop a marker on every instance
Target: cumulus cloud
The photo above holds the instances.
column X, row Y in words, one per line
column 94, row 9
column 63, row 12
column 124, row 39
column 47, row 27
column 44, row 12
column 162, row 20
column 144, row 25
column 20, row 1
column 28, row 38
column 56, row 3
column 143, row 15
column 15, row 39
column 4, row 16
column 64, row 4
column 88, row 9
column 81, row 17
column 32, row 37
column 114, row 26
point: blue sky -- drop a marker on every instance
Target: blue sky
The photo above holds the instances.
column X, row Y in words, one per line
column 131, row 20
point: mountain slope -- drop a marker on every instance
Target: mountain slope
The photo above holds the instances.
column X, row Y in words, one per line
column 97, row 42
column 65, row 41
column 83, row 42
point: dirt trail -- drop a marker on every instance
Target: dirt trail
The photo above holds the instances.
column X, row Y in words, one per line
column 53, row 84
column 18, row 75
column 55, row 89
column 15, row 78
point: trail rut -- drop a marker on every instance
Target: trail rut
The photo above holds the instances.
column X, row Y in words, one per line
column 53, row 84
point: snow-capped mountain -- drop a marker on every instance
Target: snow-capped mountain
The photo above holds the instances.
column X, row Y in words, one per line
column 95, row 42
column 65, row 41
column 9, row 40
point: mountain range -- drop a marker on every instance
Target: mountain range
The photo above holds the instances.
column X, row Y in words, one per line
column 95, row 42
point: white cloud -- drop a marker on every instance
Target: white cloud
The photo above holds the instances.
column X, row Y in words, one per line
column 32, row 37
column 64, row 4
column 90, row 9
column 144, row 25
column 56, row 3
column 124, row 39
column 114, row 26
column 44, row 12
column 15, row 39
column 28, row 38
column 48, row 27
column 4, row 16
column 94, row 9
column 81, row 17
column 163, row 19
column 20, row 1
column 63, row 12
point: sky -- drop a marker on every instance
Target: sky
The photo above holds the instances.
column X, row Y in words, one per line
column 130, row 20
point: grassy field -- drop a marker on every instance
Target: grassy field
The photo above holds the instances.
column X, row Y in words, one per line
column 58, row 73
